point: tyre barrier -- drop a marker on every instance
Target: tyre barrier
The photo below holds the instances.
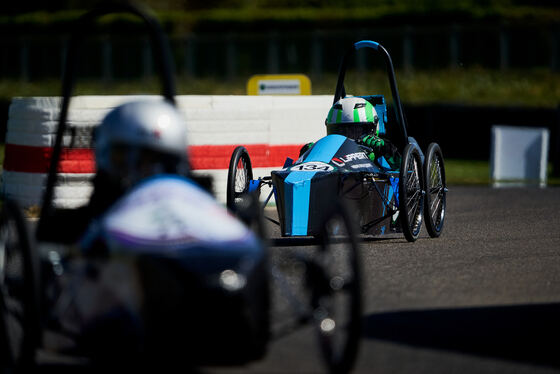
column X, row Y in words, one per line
column 271, row 127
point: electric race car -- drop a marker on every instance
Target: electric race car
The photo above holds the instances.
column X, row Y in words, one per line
column 166, row 276
column 387, row 198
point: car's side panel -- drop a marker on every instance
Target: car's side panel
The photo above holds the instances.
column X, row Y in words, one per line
column 298, row 185
column 325, row 190
column 297, row 188
column 335, row 167
column 373, row 203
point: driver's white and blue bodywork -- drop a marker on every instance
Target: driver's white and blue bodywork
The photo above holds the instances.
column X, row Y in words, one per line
column 189, row 260
column 171, row 215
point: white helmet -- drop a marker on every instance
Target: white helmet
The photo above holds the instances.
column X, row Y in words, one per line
column 352, row 117
column 141, row 138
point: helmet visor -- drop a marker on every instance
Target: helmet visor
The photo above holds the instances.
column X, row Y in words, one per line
column 133, row 163
column 350, row 130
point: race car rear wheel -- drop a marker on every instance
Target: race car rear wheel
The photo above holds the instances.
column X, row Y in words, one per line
column 240, row 173
column 336, row 291
column 19, row 292
column 436, row 190
column 411, row 193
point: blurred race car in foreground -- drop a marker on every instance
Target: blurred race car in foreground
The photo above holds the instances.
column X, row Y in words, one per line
column 166, row 277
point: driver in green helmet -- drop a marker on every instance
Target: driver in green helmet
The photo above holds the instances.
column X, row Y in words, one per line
column 356, row 118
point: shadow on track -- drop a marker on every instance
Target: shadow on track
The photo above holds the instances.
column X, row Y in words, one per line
column 131, row 366
column 373, row 239
column 293, row 241
column 308, row 240
column 525, row 333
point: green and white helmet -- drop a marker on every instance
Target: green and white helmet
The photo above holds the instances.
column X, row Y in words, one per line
column 352, row 117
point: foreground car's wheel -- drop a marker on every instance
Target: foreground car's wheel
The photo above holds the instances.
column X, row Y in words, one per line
column 334, row 277
column 411, row 193
column 436, row 190
column 240, row 173
column 19, row 292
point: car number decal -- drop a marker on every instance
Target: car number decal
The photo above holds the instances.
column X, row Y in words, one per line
column 312, row 166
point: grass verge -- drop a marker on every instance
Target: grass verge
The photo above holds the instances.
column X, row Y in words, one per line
column 475, row 172
column 472, row 86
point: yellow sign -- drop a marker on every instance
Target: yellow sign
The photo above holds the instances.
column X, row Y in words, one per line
column 279, row 84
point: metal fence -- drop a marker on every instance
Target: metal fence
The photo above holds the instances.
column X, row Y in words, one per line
column 232, row 54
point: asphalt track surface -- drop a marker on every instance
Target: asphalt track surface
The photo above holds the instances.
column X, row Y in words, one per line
column 484, row 297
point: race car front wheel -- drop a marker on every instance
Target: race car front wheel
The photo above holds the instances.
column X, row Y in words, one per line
column 240, row 173
column 436, row 190
column 334, row 279
column 411, row 193
column 19, row 292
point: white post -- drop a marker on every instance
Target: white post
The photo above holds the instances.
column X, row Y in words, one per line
column 519, row 156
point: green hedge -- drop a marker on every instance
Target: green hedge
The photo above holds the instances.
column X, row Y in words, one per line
column 272, row 15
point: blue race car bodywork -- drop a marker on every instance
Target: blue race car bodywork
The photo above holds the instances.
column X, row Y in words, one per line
column 335, row 167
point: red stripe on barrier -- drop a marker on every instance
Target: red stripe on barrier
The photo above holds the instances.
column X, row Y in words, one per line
column 28, row 159
column 262, row 155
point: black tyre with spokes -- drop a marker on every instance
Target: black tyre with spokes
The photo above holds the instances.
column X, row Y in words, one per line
column 240, row 173
column 19, row 292
column 334, row 280
column 436, row 190
column 411, row 193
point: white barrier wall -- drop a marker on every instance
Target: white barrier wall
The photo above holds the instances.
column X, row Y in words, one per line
column 272, row 128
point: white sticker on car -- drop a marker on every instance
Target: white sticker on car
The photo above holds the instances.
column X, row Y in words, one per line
column 361, row 166
column 312, row 166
